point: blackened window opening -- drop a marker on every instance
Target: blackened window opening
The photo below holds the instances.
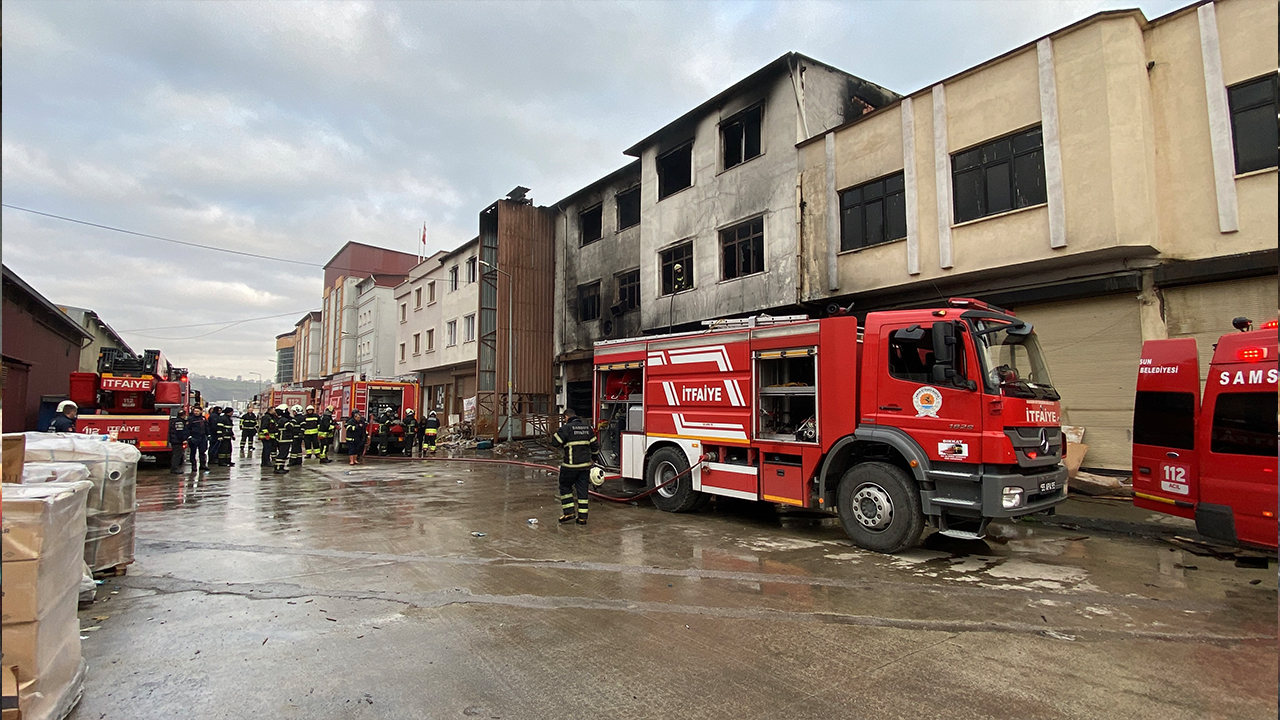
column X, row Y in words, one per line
column 740, row 137
column 1002, row 175
column 590, row 223
column 675, row 170
column 589, row 301
column 1255, row 126
column 629, row 208
column 628, row 291
column 873, row 213
column 742, row 249
column 677, row 268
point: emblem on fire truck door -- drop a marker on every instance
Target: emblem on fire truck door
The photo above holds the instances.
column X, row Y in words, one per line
column 928, row 401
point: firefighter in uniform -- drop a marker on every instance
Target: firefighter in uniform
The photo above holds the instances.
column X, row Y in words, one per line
column 410, row 432
column 65, row 420
column 215, row 434
column 325, row 435
column 268, row 430
column 284, row 439
column 198, row 440
column 311, row 432
column 355, row 438
column 178, row 434
column 430, row 428
column 248, row 428
column 228, row 437
column 295, row 428
column 579, row 444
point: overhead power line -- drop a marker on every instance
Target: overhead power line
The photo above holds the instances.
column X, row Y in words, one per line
column 208, row 324
column 164, row 239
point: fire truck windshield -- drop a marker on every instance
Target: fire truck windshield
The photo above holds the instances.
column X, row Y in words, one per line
column 1012, row 363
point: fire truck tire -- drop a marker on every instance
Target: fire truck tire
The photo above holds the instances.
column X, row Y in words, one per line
column 679, row 496
column 880, row 507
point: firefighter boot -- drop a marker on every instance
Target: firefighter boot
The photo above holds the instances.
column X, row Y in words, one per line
column 582, row 511
column 566, row 507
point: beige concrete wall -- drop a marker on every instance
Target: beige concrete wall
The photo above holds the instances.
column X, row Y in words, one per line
column 1184, row 166
column 1205, row 312
column 1137, row 172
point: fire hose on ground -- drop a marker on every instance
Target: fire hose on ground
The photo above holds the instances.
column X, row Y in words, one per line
column 553, row 468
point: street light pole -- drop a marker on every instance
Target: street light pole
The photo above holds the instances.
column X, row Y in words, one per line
column 510, row 338
column 251, row 372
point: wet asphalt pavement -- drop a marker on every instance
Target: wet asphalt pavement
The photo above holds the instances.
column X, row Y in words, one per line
column 341, row 592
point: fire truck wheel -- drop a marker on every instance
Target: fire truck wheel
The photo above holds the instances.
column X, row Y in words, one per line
column 679, row 496
column 880, row 507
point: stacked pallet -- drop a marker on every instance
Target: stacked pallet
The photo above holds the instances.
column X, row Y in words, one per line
column 111, row 505
column 42, row 552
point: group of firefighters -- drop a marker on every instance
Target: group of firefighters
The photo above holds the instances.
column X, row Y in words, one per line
column 291, row 435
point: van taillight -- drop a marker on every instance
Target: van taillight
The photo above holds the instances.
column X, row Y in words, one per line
column 1252, row 354
column 1270, row 325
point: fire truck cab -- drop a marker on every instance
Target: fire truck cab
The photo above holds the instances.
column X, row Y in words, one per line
column 942, row 415
column 1212, row 459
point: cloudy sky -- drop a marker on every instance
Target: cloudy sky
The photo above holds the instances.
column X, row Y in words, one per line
column 288, row 129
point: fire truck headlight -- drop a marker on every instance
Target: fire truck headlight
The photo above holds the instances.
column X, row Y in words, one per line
column 1012, row 498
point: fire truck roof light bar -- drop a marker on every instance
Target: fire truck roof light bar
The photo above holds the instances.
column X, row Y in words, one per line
column 977, row 305
column 753, row 321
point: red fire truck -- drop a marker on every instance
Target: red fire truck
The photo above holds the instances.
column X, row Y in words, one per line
column 1211, row 460
column 348, row 393
column 131, row 398
column 942, row 415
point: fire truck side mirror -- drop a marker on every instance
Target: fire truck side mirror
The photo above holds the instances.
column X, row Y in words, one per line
column 944, row 342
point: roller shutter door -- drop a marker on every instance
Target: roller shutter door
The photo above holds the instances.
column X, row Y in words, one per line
column 1205, row 312
column 1093, row 347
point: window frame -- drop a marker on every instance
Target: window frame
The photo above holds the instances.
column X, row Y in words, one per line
column 431, row 292
column 1233, row 110
column 469, row 328
column 451, row 333
column 666, row 257
column 589, row 291
column 984, row 166
column 404, row 312
column 742, row 139
column 663, row 191
column 453, row 279
column 431, row 340
column 417, row 344
column 617, row 199
column 755, row 239
column 622, row 283
column 597, row 211
column 472, row 270
column 402, row 355
column 417, row 298
column 884, row 200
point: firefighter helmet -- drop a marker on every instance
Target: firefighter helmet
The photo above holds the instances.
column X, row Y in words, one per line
column 66, row 405
column 297, row 408
column 597, row 475
column 311, row 408
column 409, row 411
column 282, row 407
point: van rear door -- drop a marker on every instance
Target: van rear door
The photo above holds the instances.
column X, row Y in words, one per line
column 1165, row 471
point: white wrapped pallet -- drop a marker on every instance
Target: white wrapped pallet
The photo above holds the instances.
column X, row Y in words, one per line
column 113, row 466
column 43, row 539
column 34, row 472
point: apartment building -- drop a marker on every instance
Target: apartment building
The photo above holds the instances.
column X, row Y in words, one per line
column 703, row 224
column 436, row 337
column 340, row 337
column 1112, row 182
column 306, row 348
column 376, row 325
column 285, row 357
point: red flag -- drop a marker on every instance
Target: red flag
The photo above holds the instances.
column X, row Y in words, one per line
column 424, row 239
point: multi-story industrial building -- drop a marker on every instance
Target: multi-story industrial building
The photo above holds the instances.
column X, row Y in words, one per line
column 347, row 344
column 1112, row 182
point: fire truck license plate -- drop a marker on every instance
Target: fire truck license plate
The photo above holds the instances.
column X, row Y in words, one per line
column 129, row 441
column 1050, row 486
